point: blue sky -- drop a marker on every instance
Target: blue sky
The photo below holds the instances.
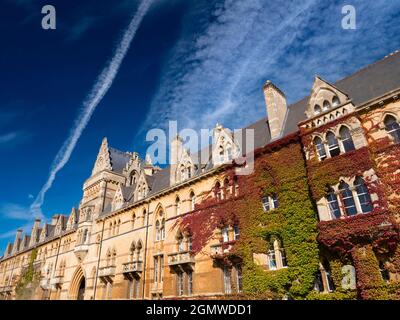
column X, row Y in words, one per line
column 198, row 62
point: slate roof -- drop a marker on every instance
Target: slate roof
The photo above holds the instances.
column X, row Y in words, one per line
column 119, row 159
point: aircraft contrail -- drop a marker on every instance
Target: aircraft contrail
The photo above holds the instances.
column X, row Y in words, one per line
column 100, row 88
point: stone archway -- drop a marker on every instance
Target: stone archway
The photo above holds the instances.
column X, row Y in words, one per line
column 78, row 285
column 81, row 290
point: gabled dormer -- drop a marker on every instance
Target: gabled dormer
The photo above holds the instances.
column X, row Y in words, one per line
column 224, row 148
column 185, row 168
column 60, row 225
column 44, row 233
column 142, row 187
column 132, row 169
column 103, row 160
column 326, row 103
column 118, row 200
column 72, row 219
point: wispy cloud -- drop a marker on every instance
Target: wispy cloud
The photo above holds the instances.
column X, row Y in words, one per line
column 216, row 75
column 13, row 138
column 100, row 88
column 81, row 27
column 15, row 211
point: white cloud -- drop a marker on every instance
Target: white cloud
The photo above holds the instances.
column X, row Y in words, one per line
column 15, row 211
column 14, row 137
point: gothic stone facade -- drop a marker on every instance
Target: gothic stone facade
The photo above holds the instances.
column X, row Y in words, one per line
column 197, row 230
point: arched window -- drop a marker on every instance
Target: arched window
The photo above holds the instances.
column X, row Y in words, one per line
column 133, row 220
column 326, row 105
column 271, row 257
column 218, row 192
column 235, row 186
column 226, row 191
column 181, row 243
column 139, row 250
column 132, row 178
column 114, row 257
column 333, row 204
column 182, row 172
column 320, row 148
column 144, row 217
column 162, row 229
column 177, row 206
column 229, row 152
column 335, row 101
column 192, row 201
column 333, row 145
column 109, row 258
column 276, row 255
column 317, row 109
column 347, row 198
column 158, row 230
column 225, row 234
column 85, row 236
column 347, row 140
column 392, row 127
column 221, row 153
column 266, row 204
column 236, row 232
column 363, row 195
column 132, row 250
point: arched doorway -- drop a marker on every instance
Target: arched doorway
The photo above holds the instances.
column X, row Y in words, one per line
column 78, row 285
column 81, row 290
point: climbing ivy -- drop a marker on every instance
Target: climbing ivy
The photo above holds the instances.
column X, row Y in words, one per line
column 28, row 280
column 281, row 172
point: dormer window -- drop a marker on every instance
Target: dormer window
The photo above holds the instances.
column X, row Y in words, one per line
column 317, row 109
column 335, row 101
column 392, row 128
column 326, row 105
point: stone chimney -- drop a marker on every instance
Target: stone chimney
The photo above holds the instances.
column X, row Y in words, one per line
column 148, row 166
column 54, row 219
column 175, row 156
column 276, row 108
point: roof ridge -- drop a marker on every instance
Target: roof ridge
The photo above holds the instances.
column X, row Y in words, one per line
column 369, row 66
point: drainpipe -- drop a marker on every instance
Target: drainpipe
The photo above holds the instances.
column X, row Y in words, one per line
column 55, row 264
column 145, row 251
column 12, row 272
column 101, row 243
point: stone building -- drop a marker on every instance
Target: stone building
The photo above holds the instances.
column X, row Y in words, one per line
column 317, row 219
